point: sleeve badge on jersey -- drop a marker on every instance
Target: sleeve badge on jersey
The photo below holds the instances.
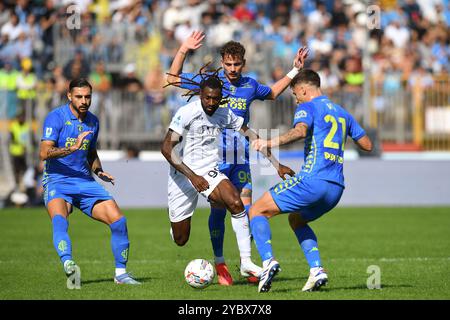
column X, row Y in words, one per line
column 48, row 131
column 301, row 114
column 177, row 120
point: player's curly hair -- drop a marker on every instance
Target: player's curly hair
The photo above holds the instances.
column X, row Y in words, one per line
column 208, row 78
column 234, row 49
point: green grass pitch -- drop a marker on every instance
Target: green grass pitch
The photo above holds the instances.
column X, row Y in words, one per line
column 410, row 246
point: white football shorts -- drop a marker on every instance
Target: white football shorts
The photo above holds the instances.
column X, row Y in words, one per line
column 183, row 197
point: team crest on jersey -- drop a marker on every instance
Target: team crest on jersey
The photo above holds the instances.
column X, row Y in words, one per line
column 48, row 131
column 301, row 114
column 80, row 127
column 232, row 89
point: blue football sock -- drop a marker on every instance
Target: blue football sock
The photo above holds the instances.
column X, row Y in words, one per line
column 61, row 239
column 262, row 235
column 119, row 242
column 308, row 241
column 217, row 229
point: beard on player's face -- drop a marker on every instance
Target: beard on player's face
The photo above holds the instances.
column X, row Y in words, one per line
column 210, row 100
column 80, row 99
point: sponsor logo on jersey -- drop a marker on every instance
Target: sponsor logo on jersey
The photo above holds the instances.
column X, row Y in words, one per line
column 301, row 114
column 68, row 123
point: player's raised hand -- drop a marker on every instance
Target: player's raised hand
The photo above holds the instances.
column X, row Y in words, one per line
column 284, row 170
column 300, row 57
column 200, row 184
column 259, row 144
column 194, row 41
column 81, row 138
column 105, row 176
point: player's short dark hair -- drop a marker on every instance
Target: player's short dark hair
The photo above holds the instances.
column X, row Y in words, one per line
column 212, row 82
column 234, row 49
column 306, row 76
column 79, row 83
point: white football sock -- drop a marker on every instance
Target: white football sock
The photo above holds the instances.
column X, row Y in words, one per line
column 242, row 229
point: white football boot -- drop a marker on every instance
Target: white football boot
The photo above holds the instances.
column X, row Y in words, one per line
column 251, row 271
column 267, row 275
column 317, row 278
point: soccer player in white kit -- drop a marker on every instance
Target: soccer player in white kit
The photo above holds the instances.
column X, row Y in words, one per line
column 199, row 125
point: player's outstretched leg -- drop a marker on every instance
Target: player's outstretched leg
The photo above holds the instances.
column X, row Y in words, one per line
column 107, row 211
column 120, row 247
column 260, row 212
column 248, row 269
column 226, row 194
column 262, row 235
column 216, row 225
column 308, row 242
column 62, row 243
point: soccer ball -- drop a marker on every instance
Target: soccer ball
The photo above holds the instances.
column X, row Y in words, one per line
column 199, row 273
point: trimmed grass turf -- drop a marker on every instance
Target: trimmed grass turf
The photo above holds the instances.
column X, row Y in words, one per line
column 410, row 245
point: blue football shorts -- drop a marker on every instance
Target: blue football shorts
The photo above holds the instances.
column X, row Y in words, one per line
column 81, row 193
column 309, row 197
column 239, row 175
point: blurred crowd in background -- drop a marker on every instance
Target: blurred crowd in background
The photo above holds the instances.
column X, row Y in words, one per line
column 124, row 47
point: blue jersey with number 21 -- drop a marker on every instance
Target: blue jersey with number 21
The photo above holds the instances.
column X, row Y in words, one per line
column 328, row 127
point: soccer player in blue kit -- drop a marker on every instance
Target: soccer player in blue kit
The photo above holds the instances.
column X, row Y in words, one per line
column 317, row 188
column 241, row 91
column 68, row 147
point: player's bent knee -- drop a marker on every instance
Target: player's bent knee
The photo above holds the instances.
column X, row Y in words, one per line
column 296, row 221
column 236, row 206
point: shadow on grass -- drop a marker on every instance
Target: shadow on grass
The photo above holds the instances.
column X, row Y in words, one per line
column 333, row 289
column 143, row 280
column 243, row 281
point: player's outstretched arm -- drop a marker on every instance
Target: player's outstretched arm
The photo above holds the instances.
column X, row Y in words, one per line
column 299, row 61
column 48, row 150
column 96, row 166
column 170, row 141
column 298, row 132
column 192, row 43
column 281, row 169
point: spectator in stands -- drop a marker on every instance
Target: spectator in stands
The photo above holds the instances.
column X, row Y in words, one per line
column 132, row 153
column 26, row 82
column 353, row 81
column 12, row 28
column 19, row 145
column 5, row 15
column 101, row 82
column 420, row 78
column 47, row 19
column 154, row 99
column 174, row 15
column 78, row 67
column 8, row 86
